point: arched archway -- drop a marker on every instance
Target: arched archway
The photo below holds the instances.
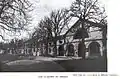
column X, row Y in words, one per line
column 94, row 49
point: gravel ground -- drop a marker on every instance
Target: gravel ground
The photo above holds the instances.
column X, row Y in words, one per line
column 59, row 64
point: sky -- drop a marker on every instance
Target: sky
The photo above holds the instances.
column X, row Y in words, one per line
column 43, row 8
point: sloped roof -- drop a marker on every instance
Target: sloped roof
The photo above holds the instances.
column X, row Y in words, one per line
column 87, row 21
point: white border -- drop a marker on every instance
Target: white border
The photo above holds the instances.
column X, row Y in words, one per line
column 113, row 51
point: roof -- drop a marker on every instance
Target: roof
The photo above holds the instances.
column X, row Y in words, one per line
column 87, row 21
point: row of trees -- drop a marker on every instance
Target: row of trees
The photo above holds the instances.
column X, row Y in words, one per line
column 14, row 45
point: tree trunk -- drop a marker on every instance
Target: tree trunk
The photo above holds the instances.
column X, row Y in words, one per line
column 83, row 42
column 41, row 49
column 83, row 48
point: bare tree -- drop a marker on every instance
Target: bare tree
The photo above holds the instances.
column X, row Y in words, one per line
column 51, row 27
column 88, row 9
column 55, row 24
column 14, row 15
column 40, row 37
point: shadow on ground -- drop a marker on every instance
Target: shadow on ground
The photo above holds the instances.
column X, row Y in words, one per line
column 86, row 65
column 76, row 65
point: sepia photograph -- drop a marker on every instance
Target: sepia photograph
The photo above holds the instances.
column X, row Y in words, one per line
column 53, row 36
